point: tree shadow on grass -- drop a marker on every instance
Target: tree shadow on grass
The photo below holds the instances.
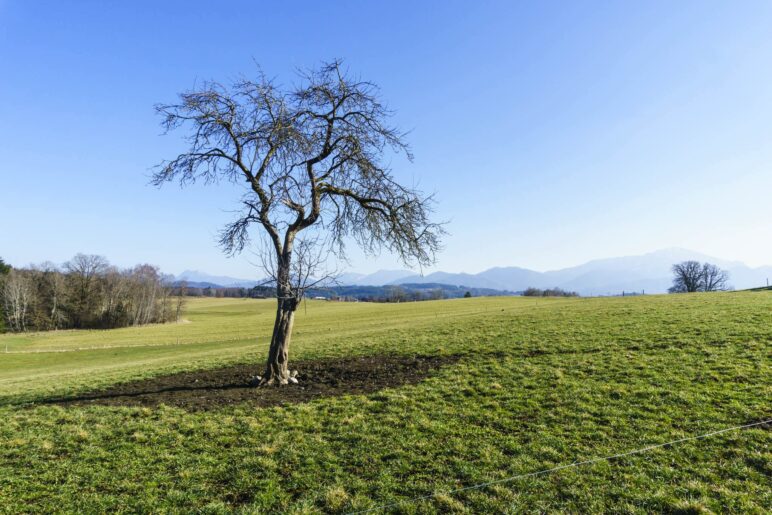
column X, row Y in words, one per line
column 211, row 389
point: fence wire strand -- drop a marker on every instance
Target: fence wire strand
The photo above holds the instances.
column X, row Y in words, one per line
column 561, row 467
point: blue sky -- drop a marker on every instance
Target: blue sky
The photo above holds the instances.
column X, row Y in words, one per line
column 551, row 132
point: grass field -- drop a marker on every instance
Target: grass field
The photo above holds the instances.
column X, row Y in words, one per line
column 540, row 383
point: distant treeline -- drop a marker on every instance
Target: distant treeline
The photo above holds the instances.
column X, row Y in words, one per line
column 389, row 293
column 257, row 292
column 549, row 292
column 403, row 292
column 85, row 293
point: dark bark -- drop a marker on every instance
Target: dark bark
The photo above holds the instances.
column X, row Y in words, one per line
column 276, row 370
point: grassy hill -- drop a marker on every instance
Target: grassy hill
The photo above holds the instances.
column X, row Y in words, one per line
column 537, row 383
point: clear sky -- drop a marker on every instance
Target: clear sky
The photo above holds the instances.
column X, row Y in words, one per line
column 552, row 132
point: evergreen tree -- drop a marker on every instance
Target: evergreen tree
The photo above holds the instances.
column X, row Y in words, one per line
column 4, row 267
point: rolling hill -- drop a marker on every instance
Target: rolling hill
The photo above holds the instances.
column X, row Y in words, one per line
column 649, row 273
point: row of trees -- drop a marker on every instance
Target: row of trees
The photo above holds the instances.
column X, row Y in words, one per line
column 549, row 292
column 400, row 294
column 693, row 276
column 233, row 292
column 86, row 292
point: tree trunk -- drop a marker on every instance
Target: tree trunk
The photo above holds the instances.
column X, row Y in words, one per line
column 276, row 371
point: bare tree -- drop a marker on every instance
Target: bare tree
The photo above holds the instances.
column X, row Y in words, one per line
column 308, row 268
column 5, row 269
column 692, row 276
column 686, row 277
column 83, row 272
column 146, row 291
column 17, row 297
column 308, row 156
column 179, row 305
column 51, row 296
column 165, row 314
column 714, row 278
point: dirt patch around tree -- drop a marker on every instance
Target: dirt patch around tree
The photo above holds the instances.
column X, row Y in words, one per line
column 212, row 389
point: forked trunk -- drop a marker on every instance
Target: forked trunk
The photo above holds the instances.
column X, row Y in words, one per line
column 276, row 371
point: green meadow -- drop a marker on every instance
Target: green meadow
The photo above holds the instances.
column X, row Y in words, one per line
column 540, row 383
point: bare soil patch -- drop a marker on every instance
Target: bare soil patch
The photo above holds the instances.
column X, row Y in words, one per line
column 212, row 389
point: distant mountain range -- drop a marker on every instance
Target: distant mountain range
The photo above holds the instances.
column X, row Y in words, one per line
column 379, row 278
column 197, row 279
column 649, row 273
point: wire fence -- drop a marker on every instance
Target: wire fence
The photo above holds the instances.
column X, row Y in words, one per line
column 560, row 467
